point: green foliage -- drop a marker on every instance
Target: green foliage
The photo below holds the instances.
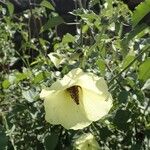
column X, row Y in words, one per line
column 104, row 45
column 3, row 138
column 47, row 4
column 10, row 7
column 144, row 70
column 68, row 38
column 140, row 12
column 51, row 142
column 52, row 22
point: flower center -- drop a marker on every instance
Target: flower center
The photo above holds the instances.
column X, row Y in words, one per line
column 74, row 93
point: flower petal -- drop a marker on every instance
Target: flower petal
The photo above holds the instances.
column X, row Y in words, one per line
column 67, row 81
column 86, row 142
column 93, row 83
column 78, row 77
column 76, row 100
column 45, row 93
column 96, row 105
column 85, row 80
column 61, row 109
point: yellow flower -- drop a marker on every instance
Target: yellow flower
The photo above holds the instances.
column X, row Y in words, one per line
column 76, row 100
column 86, row 142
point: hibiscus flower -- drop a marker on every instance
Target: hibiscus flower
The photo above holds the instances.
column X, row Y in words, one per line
column 76, row 100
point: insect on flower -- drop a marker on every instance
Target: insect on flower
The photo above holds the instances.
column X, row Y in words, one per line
column 74, row 93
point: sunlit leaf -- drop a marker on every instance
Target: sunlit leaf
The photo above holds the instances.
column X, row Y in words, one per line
column 144, row 70
column 128, row 59
column 40, row 76
column 47, row 4
column 21, row 76
column 6, row 84
column 68, row 38
column 10, row 7
column 140, row 12
column 102, row 66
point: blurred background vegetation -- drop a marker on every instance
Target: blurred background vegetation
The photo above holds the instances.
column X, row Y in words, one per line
column 109, row 38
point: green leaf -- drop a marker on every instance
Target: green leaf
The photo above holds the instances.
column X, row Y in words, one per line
column 102, row 66
column 104, row 133
column 10, row 7
column 68, row 38
column 21, row 76
column 3, row 139
column 128, row 59
column 144, row 70
column 52, row 22
column 140, row 12
column 51, row 141
column 5, row 84
column 110, row 6
column 40, row 76
column 137, row 30
column 123, row 96
column 47, row 4
column 121, row 118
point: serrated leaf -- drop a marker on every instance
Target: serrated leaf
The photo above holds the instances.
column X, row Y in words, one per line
column 144, row 70
column 140, row 11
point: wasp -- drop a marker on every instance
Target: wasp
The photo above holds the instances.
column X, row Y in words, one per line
column 74, row 93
